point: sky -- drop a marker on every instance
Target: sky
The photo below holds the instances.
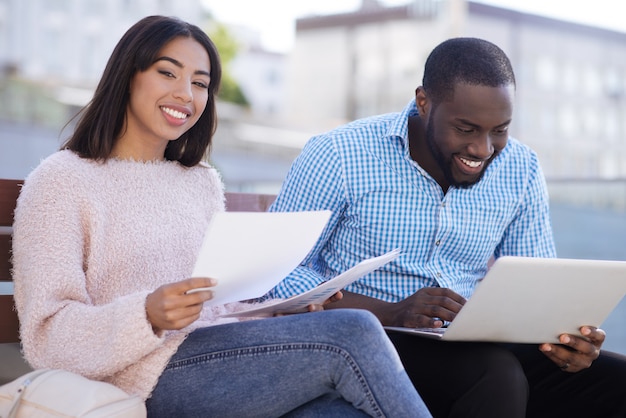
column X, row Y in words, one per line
column 275, row 19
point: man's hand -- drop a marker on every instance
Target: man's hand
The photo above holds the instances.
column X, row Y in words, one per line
column 575, row 353
column 316, row 308
column 334, row 298
column 428, row 307
column 170, row 307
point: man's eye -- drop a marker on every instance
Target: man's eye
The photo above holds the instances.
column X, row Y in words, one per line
column 464, row 130
column 502, row 131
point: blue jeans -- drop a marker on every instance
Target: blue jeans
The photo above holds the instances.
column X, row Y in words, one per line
column 335, row 363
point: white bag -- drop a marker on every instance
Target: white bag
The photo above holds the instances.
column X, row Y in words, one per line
column 57, row 393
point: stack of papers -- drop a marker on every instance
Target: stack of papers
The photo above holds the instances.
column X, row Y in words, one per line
column 319, row 294
column 249, row 253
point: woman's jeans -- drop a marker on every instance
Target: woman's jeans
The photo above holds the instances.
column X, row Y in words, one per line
column 336, row 363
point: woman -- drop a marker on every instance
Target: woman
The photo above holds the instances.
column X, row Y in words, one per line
column 105, row 236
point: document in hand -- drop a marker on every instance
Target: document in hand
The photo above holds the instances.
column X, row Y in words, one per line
column 319, row 294
column 249, row 253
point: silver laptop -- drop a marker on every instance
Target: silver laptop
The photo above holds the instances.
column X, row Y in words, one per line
column 534, row 300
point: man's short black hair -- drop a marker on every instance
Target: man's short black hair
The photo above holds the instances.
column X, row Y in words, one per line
column 471, row 61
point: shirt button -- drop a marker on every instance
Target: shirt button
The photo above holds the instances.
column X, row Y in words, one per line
column 437, row 242
column 438, row 275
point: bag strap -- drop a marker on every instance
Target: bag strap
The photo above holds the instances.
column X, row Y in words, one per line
column 21, row 389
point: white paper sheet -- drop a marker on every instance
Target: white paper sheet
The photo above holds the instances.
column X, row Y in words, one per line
column 319, row 294
column 249, row 253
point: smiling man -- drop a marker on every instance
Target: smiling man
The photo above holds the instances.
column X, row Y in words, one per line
column 472, row 129
column 444, row 182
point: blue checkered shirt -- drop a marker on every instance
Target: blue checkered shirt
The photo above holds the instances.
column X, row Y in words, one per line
column 381, row 199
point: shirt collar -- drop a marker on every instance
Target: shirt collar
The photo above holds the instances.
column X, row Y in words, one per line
column 399, row 128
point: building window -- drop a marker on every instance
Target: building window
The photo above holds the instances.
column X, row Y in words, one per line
column 546, row 73
column 591, row 121
column 53, row 60
column 547, row 120
column 272, row 77
column 570, row 78
column 611, row 124
column 591, row 81
column 614, row 84
column 568, row 122
column 609, row 166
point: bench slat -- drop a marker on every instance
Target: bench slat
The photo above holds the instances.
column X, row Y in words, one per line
column 5, row 254
column 9, row 190
column 248, row 202
column 9, row 324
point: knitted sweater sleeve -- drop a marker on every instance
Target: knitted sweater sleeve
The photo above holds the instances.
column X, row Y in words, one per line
column 60, row 326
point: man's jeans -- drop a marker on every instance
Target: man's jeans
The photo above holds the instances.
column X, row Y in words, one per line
column 335, row 363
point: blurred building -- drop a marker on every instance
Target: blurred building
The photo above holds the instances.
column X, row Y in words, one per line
column 351, row 65
column 571, row 105
column 571, row 102
column 53, row 52
column 64, row 45
column 259, row 73
column 69, row 41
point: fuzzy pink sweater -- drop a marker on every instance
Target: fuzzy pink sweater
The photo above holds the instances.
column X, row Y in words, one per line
column 91, row 240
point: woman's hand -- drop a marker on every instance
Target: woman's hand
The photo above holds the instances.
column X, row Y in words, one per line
column 172, row 307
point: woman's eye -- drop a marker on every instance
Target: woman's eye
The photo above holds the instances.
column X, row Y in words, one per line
column 166, row 73
column 201, row 84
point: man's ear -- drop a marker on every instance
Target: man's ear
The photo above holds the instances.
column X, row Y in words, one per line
column 422, row 101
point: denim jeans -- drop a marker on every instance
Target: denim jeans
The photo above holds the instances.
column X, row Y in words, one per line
column 335, row 363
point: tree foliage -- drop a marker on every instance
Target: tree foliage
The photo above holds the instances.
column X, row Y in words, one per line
column 228, row 48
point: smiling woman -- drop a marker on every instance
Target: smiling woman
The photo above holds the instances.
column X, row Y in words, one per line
column 184, row 81
column 166, row 100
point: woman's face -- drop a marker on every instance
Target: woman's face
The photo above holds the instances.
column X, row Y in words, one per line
column 168, row 98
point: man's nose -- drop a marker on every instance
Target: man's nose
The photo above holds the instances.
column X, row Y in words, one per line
column 482, row 147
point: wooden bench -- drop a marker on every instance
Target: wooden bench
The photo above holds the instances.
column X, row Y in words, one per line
column 11, row 363
column 9, row 190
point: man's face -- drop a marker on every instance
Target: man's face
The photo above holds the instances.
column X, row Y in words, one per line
column 465, row 134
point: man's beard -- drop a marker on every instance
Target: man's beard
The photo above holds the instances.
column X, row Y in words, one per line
column 446, row 164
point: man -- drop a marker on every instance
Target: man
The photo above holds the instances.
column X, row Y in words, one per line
column 443, row 181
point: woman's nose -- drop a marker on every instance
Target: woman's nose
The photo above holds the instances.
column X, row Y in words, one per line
column 183, row 91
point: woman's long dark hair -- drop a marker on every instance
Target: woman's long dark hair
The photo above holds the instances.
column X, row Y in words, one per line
column 102, row 120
